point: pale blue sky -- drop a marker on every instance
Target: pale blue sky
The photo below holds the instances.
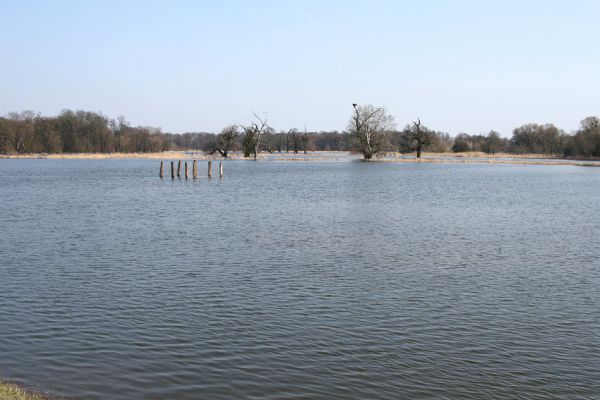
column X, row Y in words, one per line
column 461, row 66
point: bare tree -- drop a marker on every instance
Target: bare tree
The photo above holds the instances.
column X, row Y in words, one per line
column 493, row 143
column 305, row 140
column 294, row 139
column 251, row 136
column 370, row 125
column 417, row 137
column 267, row 142
column 280, row 144
column 225, row 140
column 537, row 139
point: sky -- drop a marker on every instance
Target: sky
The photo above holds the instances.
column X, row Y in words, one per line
column 459, row 66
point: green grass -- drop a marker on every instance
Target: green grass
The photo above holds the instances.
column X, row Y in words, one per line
column 9, row 391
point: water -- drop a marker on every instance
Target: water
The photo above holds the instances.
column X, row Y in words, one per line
column 300, row 280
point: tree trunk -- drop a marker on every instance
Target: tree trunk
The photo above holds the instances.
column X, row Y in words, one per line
column 419, row 152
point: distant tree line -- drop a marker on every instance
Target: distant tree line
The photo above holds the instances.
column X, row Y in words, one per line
column 371, row 132
column 77, row 132
column 537, row 139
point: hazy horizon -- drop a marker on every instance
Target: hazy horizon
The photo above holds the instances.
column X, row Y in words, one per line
column 460, row 67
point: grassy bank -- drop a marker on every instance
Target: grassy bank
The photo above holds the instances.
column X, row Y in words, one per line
column 185, row 155
column 452, row 158
column 442, row 160
column 101, row 156
column 236, row 155
column 10, row 391
column 481, row 154
column 485, row 158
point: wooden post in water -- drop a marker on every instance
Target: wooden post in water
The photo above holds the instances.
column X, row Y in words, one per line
column 172, row 170
column 195, row 169
column 179, row 169
column 221, row 169
column 186, row 170
column 209, row 168
column 161, row 173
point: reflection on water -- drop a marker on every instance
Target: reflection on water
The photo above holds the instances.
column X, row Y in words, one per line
column 300, row 280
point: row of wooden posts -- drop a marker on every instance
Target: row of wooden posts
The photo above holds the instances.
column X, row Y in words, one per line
column 194, row 169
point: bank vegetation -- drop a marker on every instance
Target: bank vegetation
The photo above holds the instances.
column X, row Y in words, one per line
column 10, row 391
column 371, row 131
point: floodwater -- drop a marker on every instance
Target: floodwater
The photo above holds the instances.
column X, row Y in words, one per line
column 300, row 280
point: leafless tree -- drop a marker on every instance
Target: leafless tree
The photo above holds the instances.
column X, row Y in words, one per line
column 370, row 125
column 225, row 140
column 267, row 142
column 305, row 140
column 537, row 139
column 294, row 139
column 280, row 144
column 417, row 137
column 493, row 143
column 252, row 134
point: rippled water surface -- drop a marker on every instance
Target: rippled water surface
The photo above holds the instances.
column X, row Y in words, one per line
column 299, row 280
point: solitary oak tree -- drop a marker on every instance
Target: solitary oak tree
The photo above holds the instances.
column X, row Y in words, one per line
column 417, row 137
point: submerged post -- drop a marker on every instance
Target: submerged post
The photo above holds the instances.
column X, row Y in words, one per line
column 186, row 170
column 179, row 169
column 209, row 168
column 220, row 169
column 195, row 169
column 162, row 171
column 172, row 170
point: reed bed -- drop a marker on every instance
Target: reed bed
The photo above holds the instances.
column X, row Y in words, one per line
column 442, row 160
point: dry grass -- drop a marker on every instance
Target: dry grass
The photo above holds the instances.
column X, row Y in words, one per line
column 443, row 160
column 477, row 154
column 101, row 156
column 182, row 155
column 10, row 391
column 480, row 154
column 454, row 158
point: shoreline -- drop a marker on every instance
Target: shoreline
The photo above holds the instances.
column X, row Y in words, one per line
column 492, row 161
column 13, row 391
column 441, row 158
